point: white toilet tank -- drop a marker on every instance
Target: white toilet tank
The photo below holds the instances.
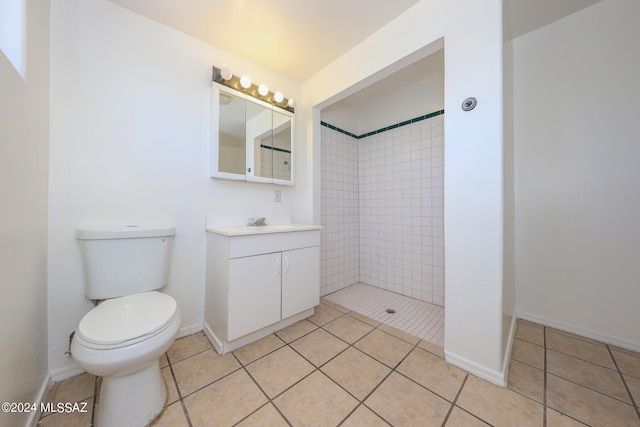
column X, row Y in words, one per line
column 120, row 261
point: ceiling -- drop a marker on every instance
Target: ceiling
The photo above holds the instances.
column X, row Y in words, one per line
column 298, row 38
column 294, row 38
column 524, row 16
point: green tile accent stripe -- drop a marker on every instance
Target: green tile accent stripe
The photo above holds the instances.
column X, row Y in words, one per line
column 339, row 130
column 268, row 147
column 384, row 129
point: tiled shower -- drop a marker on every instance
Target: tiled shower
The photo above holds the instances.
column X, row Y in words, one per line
column 382, row 196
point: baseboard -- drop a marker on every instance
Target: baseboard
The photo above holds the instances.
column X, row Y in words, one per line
column 506, row 357
column 498, row 378
column 598, row 336
column 213, row 339
column 68, row 371
column 185, row 331
column 41, row 396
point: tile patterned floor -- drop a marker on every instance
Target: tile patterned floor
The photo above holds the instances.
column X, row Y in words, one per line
column 342, row 368
column 413, row 316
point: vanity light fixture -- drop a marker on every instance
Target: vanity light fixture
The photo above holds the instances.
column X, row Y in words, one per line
column 243, row 84
column 226, row 73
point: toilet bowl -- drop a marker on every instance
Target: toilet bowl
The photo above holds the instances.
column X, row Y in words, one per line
column 122, row 340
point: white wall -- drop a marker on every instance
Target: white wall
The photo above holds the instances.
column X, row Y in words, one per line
column 473, row 156
column 474, row 189
column 576, row 160
column 509, row 257
column 130, row 141
column 24, row 109
column 422, row 94
column 417, row 99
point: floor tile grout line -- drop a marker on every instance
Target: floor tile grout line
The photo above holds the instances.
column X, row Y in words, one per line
column 360, row 404
column 527, row 341
column 180, row 397
column 591, row 389
column 528, row 364
column 544, row 379
column 547, row 373
column 318, row 368
column 96, row 396
column 269, row 399
column 455, row 399
column 416, row 382
column 284, row 343
column 579, row 358
column 545, row 406
column 191, row 355
column 213, row 382
column 391, row 369
column 624, row 382
column 575, row 337
column 524, row 395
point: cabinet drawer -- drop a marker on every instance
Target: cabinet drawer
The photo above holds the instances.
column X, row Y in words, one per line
column 255, row 244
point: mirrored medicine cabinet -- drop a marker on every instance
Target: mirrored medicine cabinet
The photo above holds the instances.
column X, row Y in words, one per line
column 252, row 140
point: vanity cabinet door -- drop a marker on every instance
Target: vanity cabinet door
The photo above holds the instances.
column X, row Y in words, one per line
column 254, row 293
column 300, row 280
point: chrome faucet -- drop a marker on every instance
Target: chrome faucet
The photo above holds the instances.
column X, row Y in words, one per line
column 256, row 222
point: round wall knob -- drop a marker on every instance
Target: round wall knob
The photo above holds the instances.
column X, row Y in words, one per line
column 469, row 104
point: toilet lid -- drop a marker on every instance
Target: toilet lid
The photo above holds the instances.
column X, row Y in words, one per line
column 127, row 318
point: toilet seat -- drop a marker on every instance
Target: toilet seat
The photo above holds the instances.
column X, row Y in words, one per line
column 127, row 320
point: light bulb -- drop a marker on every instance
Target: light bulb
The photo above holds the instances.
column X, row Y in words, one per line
column 263, row 90
column 291, row 103
column 278, row 97
column 245, row 82
column 226, row 74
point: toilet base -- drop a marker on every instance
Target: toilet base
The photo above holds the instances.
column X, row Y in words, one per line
column 131, row 400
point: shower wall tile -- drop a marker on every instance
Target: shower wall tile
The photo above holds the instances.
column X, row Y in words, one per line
column 385, row 189
column 339, row 238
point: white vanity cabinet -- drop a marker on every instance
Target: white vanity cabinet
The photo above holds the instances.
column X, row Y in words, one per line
column 259, row 280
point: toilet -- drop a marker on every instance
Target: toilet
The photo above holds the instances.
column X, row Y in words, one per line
column 124, row 336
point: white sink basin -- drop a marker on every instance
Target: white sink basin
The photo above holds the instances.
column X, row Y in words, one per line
column 261, row 229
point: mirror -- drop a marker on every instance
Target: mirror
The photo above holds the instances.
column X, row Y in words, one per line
column 252, row 140
column 231, row 136
column 272, row 149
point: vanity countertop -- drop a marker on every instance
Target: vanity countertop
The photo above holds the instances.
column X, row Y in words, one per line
column 246, row 230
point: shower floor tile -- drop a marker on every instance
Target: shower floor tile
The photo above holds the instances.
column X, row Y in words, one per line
column 418, row 318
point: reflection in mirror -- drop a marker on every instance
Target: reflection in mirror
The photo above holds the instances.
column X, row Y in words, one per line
column 259, row 128
column 232, row 145
column 281, row 147
column 273, row 150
